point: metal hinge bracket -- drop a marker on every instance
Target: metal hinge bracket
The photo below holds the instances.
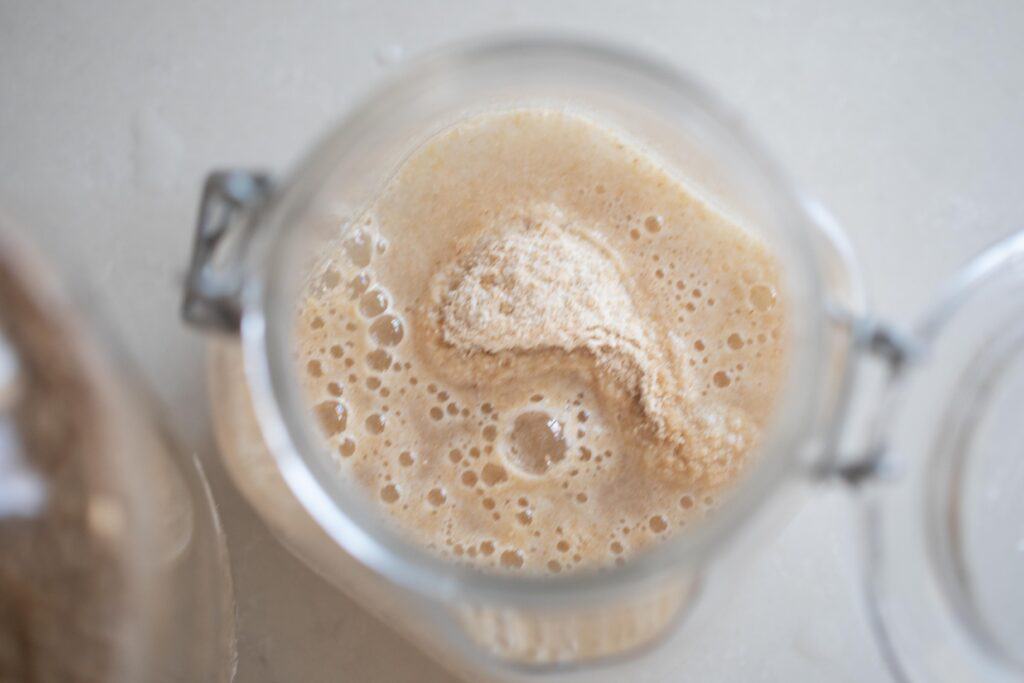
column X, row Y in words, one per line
column 213, row 284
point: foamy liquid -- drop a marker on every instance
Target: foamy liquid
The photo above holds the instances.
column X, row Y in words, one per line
column 538, row 459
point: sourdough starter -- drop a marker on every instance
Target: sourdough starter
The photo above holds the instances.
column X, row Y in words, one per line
column 538, row 350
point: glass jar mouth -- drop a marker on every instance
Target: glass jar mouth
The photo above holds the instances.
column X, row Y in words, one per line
column 282, row 411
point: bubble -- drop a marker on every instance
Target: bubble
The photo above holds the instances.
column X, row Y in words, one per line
column 452, row 409
column 699, row 345
column 581, row 497
column 436, row 413
column 653, row 223
column 332, row 417
column 686, row 502
column 563, row 546
column 379, row 360
column 358, row 285
column 512, row 559
column 486, row 408
column 490, row 432
column 634, row 233
column 372, row 383
column 330, row 279
column 387, row 330
column 583, row 416
column 616, row 547
column 488, row 503
column 554, row 566
column 455, row 455
column 493, row 474
column 696, row 294
column 486, row 548
column 537, row 442
column 524, row 517
column 389, row 494
column 735, row 341
column 373, row 303
column 314, row 368
column 334, row 389
column 347, row 448
column 721, row 379
column 359, row 248
column 375, row 423
column 436, row 497
column 469, row 478
column 337, row 351
column 658, row 524
column 406, row 459
column 762, row 297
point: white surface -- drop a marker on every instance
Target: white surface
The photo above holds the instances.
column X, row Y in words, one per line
column 903, row 118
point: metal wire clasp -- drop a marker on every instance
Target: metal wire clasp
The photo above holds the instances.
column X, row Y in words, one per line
column 865, row 406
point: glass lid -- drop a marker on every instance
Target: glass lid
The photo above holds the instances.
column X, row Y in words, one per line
column 945, row 528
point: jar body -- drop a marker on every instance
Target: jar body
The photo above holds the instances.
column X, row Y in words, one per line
column 479, row 622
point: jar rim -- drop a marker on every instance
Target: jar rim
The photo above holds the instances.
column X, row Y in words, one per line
column 286, row 427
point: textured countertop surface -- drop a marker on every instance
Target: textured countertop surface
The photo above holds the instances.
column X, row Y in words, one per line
column 904, row 118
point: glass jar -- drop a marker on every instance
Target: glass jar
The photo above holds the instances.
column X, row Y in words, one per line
column 256, row 240
column 112, row 562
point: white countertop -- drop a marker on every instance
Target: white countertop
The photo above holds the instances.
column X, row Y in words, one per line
column 904, row 118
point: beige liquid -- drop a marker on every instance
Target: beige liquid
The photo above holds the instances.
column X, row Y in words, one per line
column 538, row 351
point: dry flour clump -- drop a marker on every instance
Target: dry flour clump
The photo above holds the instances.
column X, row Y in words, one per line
column 539, row 281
